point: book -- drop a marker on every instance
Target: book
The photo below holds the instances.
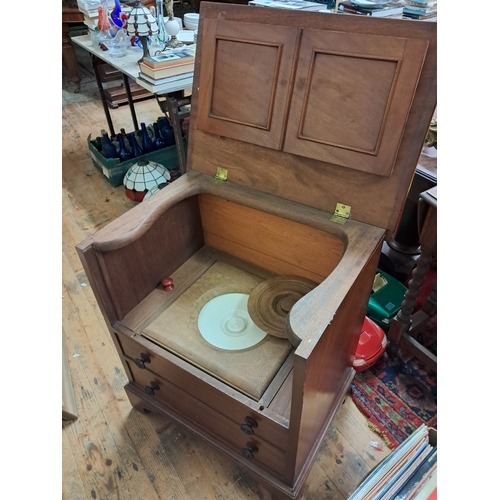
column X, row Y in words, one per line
column 158, row 74
column 384, row 487
column 185, row 83
column 427, row 487
column 419, row 10
column 393, row 462
column 169, row 79
column 390, row 9
column 172, row 58
column 420, row 472
column 404, row 474
column 289, row 4
column 420, row 17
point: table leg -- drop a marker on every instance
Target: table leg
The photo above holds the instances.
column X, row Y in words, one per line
column 95, row 63
column 130, row 101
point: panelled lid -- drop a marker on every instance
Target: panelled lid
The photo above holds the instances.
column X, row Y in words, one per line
column 316, row 108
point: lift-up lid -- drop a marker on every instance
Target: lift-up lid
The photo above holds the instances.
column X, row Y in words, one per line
column 318, row 108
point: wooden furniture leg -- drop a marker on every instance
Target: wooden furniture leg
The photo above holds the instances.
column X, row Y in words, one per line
column 404, row 323
column 70, row 14
column 68, row 53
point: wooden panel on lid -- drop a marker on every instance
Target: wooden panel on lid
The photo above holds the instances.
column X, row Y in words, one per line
column 351, row 98
column 247, row 75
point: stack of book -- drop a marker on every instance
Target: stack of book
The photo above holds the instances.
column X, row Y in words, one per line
column 290, row 4
column 175, row 65
column 409, row 472
column 393, row 9
column 420, row 9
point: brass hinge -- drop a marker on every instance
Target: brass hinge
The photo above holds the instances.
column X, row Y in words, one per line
column 221, row 174
column 341, row 214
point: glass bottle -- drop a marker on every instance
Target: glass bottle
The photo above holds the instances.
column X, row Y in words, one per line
column 125, row 138
column 158, row 140
column 167, row 132
column 108, row 149
column 134, row 145
column 123, row 152
column 147, row 143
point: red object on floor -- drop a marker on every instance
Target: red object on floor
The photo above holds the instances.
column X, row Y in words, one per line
column 371, row 345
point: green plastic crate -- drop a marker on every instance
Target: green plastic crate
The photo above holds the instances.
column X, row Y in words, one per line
column 114, row 170
column 385, row 303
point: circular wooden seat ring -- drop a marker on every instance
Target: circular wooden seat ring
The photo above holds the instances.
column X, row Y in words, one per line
column 271, row 301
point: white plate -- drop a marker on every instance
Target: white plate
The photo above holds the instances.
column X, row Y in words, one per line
column 186, row 36
column 225, row 323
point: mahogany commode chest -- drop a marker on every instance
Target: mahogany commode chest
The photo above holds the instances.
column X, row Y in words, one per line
column 296, row 118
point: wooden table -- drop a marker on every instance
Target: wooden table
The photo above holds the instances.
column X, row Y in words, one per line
column 169, row 96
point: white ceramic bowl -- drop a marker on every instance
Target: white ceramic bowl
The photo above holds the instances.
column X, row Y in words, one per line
column 191, row 17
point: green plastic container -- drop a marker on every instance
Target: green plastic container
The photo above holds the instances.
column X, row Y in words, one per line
column 114, row 170
column 385, row 303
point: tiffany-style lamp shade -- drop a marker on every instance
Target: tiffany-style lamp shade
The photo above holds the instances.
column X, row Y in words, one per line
column 142, row 177
column 142, row 23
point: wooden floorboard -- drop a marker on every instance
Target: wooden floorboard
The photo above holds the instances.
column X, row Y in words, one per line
column 112, row 451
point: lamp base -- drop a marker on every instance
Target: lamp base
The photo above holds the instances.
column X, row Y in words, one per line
column 173, row 43
column 145, row 48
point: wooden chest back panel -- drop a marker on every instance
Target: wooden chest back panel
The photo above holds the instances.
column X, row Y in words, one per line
column 333, row 170
column 279, row 245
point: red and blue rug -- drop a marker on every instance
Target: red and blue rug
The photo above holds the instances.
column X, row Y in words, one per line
column 398, row 393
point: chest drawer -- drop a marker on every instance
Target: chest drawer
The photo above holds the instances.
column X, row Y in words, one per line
column 202, row 388
column 250, row 446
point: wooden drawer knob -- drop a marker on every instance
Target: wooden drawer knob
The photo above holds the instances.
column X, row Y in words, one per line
column 142, row 360
column 248, row 426
column 151, row 388
column 249, row 450
column 168, row 284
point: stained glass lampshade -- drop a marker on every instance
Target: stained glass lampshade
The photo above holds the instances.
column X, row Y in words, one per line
column 143, row 177
column 154, row 190
column 142, row 23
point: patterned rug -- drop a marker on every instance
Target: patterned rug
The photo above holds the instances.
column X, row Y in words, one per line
column 399, row 393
